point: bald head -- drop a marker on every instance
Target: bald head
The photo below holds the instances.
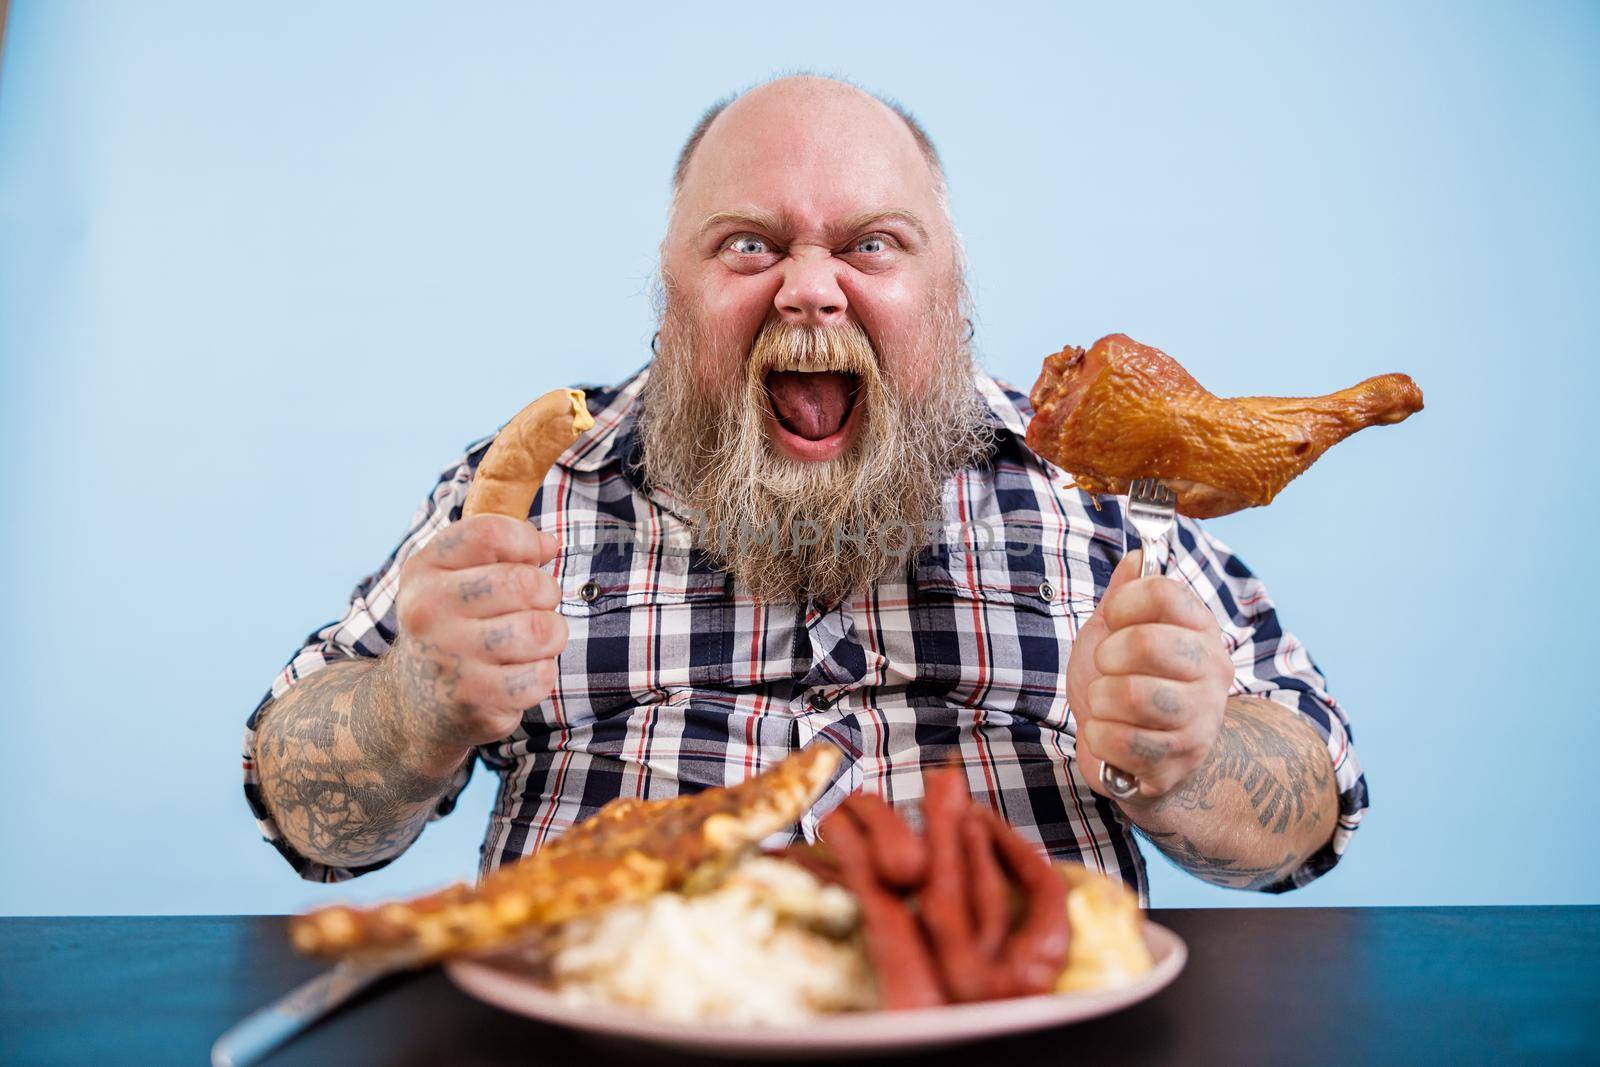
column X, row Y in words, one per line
column 801, row 90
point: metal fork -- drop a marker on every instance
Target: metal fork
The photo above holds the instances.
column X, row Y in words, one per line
column 1151, row 509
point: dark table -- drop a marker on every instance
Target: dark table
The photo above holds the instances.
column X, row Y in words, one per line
column 1347, row 985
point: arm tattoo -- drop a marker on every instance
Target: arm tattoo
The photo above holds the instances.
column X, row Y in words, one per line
column 1254, row 752
column 1219, row 870
column 428, row 679
column 331, row 758
column 1264, row 789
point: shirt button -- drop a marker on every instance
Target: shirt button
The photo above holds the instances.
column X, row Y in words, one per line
column 589, row 591
column 1047, row 592
column 819, row 702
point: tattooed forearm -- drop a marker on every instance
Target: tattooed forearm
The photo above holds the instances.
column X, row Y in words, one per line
column 336, row 771
column 1266, row 791
column 1220, row 870
column 1281, row 774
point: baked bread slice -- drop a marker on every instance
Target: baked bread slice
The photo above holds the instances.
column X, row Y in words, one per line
column 629, row 850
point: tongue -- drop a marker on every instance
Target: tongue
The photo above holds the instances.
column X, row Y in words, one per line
column 811, row 404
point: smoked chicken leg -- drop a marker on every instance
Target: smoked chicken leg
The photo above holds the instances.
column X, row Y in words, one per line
column 1120, row 410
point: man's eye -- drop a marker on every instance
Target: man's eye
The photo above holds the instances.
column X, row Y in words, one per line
column 748, row 245
column 872, row 245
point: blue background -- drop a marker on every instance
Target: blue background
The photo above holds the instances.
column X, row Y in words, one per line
column 264, row 270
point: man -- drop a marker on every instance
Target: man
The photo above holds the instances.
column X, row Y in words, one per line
column 810, row 519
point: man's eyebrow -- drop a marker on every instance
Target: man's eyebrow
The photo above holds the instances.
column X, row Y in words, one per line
column 756, row 219
column 868, row 219
column 781, row 222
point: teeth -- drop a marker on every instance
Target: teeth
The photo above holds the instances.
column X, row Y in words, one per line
column 810, row 366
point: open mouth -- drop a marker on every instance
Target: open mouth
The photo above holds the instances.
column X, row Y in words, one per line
column 812, row 410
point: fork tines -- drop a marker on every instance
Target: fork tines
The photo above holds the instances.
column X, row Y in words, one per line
column 1151, row 493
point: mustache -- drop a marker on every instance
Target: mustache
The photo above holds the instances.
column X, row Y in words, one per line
column 787, row 346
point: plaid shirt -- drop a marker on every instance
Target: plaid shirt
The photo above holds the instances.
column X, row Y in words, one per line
column 674, row 678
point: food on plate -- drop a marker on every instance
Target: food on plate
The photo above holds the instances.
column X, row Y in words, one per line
column 1106, row 949
column 769, row 943
column 1119, row 410
column 511, row 472
column 670, row 908
column 894, row 945
column 629, row 850
column 987, row 919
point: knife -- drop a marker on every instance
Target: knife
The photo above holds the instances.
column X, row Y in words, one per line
column 258, row 1033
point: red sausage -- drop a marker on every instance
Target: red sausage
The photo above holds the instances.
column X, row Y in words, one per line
column 1037, row 949
column 945, row 901
column 991, row 897
column 898, row 854
column 900, row 960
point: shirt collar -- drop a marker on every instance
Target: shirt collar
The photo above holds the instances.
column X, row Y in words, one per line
column 1007, row 408
column 613, row 435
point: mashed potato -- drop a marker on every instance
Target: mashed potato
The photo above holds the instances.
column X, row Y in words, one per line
column 770, row 944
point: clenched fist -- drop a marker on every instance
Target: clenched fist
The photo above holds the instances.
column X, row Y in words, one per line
column 1148, row 682
column 478, row 637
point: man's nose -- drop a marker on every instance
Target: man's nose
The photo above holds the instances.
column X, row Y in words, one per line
column 810, row 294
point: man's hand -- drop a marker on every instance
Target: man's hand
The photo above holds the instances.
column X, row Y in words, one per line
column 478, row 638
column 1148, row 682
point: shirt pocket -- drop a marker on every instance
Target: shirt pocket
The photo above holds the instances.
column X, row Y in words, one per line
column 1032, row 565
column 644, row 619
column 993, row 629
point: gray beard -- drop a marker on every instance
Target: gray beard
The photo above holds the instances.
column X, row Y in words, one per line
column 827, row 530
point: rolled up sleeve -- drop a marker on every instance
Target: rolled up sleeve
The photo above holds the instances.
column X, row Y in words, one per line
column 367, row 630
column 1270, row 662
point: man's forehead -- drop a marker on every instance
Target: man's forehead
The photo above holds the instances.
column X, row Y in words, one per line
column 810, row 148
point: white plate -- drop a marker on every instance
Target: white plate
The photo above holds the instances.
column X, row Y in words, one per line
column 847, row 1034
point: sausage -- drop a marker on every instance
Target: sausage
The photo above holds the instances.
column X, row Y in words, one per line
column 899, row 856
column 946, row 906
column 963, row 943
column 991, row 896
column 1036, row 949
column 900, row 959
